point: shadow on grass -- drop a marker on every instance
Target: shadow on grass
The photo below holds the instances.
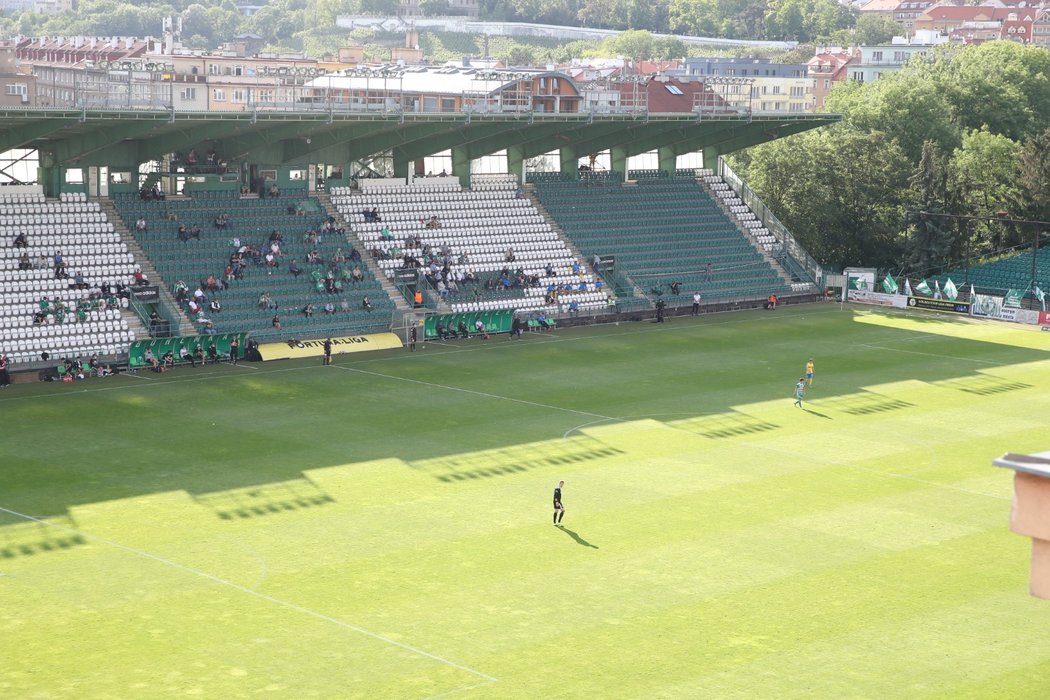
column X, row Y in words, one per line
column 579, row 540
column 816, row 413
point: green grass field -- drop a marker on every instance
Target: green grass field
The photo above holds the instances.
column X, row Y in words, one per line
column 382, row 528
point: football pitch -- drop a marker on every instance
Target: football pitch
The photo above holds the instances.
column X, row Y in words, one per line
column 381, row 528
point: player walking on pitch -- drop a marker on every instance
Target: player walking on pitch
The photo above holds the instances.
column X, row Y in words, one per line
column 800, row 391
column 559, row 509
column 809, row 372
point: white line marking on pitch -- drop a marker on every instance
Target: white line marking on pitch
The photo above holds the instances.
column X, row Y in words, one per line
column 472, row 391
column 457, row 690
column 928, row 354
column 257, row 594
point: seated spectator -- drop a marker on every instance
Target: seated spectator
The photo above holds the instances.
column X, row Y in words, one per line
column 433, row 222
column 509, row 257
column 366, row 305
column 329, row 308
column 140, row 224
column 676, row 287
column 78, row 281
column 274, row 192
column 139, row 279
column 264, row 300
column 338, row 257
column 276, row 322
column 168, row 360
column 195, row 232
column 213, row 354
column 194, row 307
column 24, row 263
column 574, row 308
column 198, row 354
column 151, row 360
column 344, row 306
column 21, row 241
column 40, row 263
column 479, row 329
column 463, row 331
column 295, row 269
column 183, row 233
column 308, row 310
column 215, row 307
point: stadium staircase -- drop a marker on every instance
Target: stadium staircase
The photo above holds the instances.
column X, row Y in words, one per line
column 252, row 219
column 662, row 229
column 90, row 323
column 477, row 227
column 143, row 261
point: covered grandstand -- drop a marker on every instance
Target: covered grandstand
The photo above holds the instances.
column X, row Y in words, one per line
column 522, row 242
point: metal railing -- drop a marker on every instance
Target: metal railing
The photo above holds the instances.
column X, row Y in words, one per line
column 790, row 246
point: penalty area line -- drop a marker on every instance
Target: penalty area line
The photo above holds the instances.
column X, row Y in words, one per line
column 256, row 594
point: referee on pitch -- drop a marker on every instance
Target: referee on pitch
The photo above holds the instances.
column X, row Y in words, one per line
column 559, row 509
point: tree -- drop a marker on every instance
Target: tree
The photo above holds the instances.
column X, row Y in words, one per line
column 1035, row 175
column 873, row 29
column 433, row 8
column 841, row 193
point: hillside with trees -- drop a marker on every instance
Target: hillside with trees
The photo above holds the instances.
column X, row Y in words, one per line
column 964, row 132
column 293, row 23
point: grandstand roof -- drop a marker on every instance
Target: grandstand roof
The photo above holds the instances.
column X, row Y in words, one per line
column 80, row 138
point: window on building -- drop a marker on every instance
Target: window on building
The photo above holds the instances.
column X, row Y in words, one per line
column 240, row 96
column 218, row 95
column 18, row 89
column 798, row 91
column 827, row 84
column 674, row 89
column 448, row 104
column 430, row 104
column 188, row 94
column 75, row 176
column 876, row 55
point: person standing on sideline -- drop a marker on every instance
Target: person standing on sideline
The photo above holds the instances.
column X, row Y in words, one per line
column 809, row 372
column 235, row 347
column 800, row 391
column 559, row 509
column 696, row 304
column 412, row 338
column 327, row 351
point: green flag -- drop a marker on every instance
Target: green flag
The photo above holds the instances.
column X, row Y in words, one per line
column 889, row 285
column 1013, row 298
column 923, row 288
column 949, row 289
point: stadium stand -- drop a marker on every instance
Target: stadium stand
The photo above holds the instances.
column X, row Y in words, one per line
column 479, row 230
column 661, row 230
column 251, row 222
column 42, row 311
column 997, row 276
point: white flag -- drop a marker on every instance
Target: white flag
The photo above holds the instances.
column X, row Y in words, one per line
column 907, row 287
column 1041, row 296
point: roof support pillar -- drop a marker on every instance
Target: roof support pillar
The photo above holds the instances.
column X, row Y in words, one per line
column 461, row 165
column 401, row 167
column 668, row 160
column 618, row 159
column 516, row 162
column 570, row 160
column 711, row 155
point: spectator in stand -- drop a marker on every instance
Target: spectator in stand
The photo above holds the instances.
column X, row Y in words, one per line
column 574, row 308
column 24, row 262
column 215, row 307
column 676, row 287
column 213, row 354
column 198, row 354
column 308, row 310
column 344, row 306
column 21, row 241
column 329, row 308
column 140, row 225
column 264, row 300
column 276, row 322
column 195, row 232
column 168, row 360
column 479, row 329
column 151, row 360
column 295, row 269
column 183, row 233
column 139, row 279
column 366, row 305
column 41, row 262
column 185, row 356
column 274, row 192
